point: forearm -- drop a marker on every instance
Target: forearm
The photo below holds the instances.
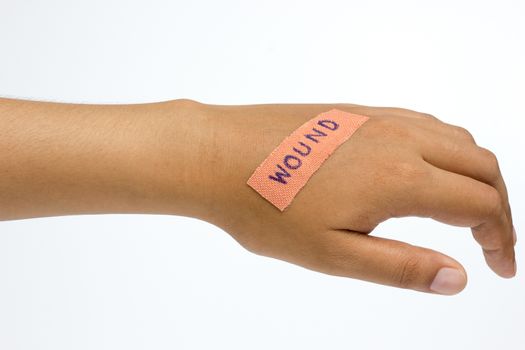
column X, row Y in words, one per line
column 65, row 159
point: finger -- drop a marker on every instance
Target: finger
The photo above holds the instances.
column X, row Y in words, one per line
column 458, row 151
column 388, row 262
column 453, row 151
column 454, row 131
column 454, row 148
column 459, row 200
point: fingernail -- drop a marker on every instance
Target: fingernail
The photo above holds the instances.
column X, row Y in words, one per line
column 448, row 281
column 514, row 235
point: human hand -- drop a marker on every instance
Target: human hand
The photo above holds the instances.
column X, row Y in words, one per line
column 66, row 159
column 399, row 163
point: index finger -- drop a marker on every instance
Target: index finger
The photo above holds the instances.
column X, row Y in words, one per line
column 452, row 148
column 467, row 158
column 457, row 155
column 459, row 200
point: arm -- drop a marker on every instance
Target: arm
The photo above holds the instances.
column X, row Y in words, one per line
column 186, row 158
column 62, row 159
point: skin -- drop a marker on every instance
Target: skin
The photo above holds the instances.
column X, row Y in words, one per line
column 187, row 158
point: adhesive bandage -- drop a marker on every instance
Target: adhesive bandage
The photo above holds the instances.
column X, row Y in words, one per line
column 289, row 166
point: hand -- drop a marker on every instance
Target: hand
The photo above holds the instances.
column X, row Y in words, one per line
column 185, row 158
column 399, row 163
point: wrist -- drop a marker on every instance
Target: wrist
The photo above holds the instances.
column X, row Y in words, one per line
column 172, row 171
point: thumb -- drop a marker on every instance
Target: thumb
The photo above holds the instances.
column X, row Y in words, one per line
column 389, row 262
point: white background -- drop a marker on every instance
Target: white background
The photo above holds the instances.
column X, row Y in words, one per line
column 167, row 282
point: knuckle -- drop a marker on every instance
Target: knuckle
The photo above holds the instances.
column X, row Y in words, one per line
column 408, row 272
column 463, row 133
column 428, row 116
column 406, row 112
column 492, row 162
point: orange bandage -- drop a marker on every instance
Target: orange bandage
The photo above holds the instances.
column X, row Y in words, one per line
column 289, row 166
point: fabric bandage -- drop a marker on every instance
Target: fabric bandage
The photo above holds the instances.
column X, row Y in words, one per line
column 289, row 166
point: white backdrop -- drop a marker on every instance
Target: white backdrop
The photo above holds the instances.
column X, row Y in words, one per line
column 167, row 282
